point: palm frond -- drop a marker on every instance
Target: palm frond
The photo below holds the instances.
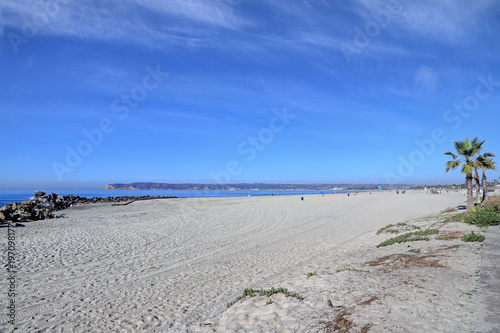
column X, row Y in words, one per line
column 459, row 146
column 476, row 146
column 467, row 168
column 489, row 164
column 451, row 154
column 452, row 165
column 468, row 150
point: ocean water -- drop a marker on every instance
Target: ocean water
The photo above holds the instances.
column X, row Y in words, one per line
column 10, row 196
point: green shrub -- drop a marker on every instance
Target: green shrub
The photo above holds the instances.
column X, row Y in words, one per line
column 473, row 237
column 482, row 217
column 456, row 217
column 492, row 206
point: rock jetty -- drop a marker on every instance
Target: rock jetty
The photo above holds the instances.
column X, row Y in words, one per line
column 42, row 206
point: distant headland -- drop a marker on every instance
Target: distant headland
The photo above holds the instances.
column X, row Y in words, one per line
column 251, row 186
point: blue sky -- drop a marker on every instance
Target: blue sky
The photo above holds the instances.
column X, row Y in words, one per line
column 244, row 91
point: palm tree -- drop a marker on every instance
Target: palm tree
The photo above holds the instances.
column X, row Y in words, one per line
column 485, row 162
column 466, row 150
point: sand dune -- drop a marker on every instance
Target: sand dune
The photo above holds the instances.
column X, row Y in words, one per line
column 173, row 265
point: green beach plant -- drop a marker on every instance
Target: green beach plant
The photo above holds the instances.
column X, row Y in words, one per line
column 393, row 228
column 473, row 237
column 410, row 237
column 385, row 228
column 483, row 216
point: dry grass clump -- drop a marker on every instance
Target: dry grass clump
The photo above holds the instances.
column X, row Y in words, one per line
column 449, row 235
column 366, row 328
column 249, row 292
column 369, row 301
column 448, row 210
column 349, row 269
column 343, row 324
column 493, row 199
column 447, row 248
column 402, row 261
column 340, row 324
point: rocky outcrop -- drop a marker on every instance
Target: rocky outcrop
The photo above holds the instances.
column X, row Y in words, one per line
column 42, row 206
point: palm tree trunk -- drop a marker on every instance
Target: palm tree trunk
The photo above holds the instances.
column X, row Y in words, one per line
column 470, row 197
column 485, row 187
column 478, row 186
column 478, row 190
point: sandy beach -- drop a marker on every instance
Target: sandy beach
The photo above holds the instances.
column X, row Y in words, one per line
column 173, row 266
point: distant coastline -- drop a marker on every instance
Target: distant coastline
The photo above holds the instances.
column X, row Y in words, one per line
column 11, row 196
column 249, row 186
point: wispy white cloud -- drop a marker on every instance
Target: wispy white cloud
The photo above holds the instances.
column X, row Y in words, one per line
column 317, row 27
column 426, row 80
column 2, row 22
column 317, row 39
column 446, row 20
column 215, row 12
column 145, row 22
column 313, row 27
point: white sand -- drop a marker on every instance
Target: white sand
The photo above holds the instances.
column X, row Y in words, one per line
column 173, row 265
